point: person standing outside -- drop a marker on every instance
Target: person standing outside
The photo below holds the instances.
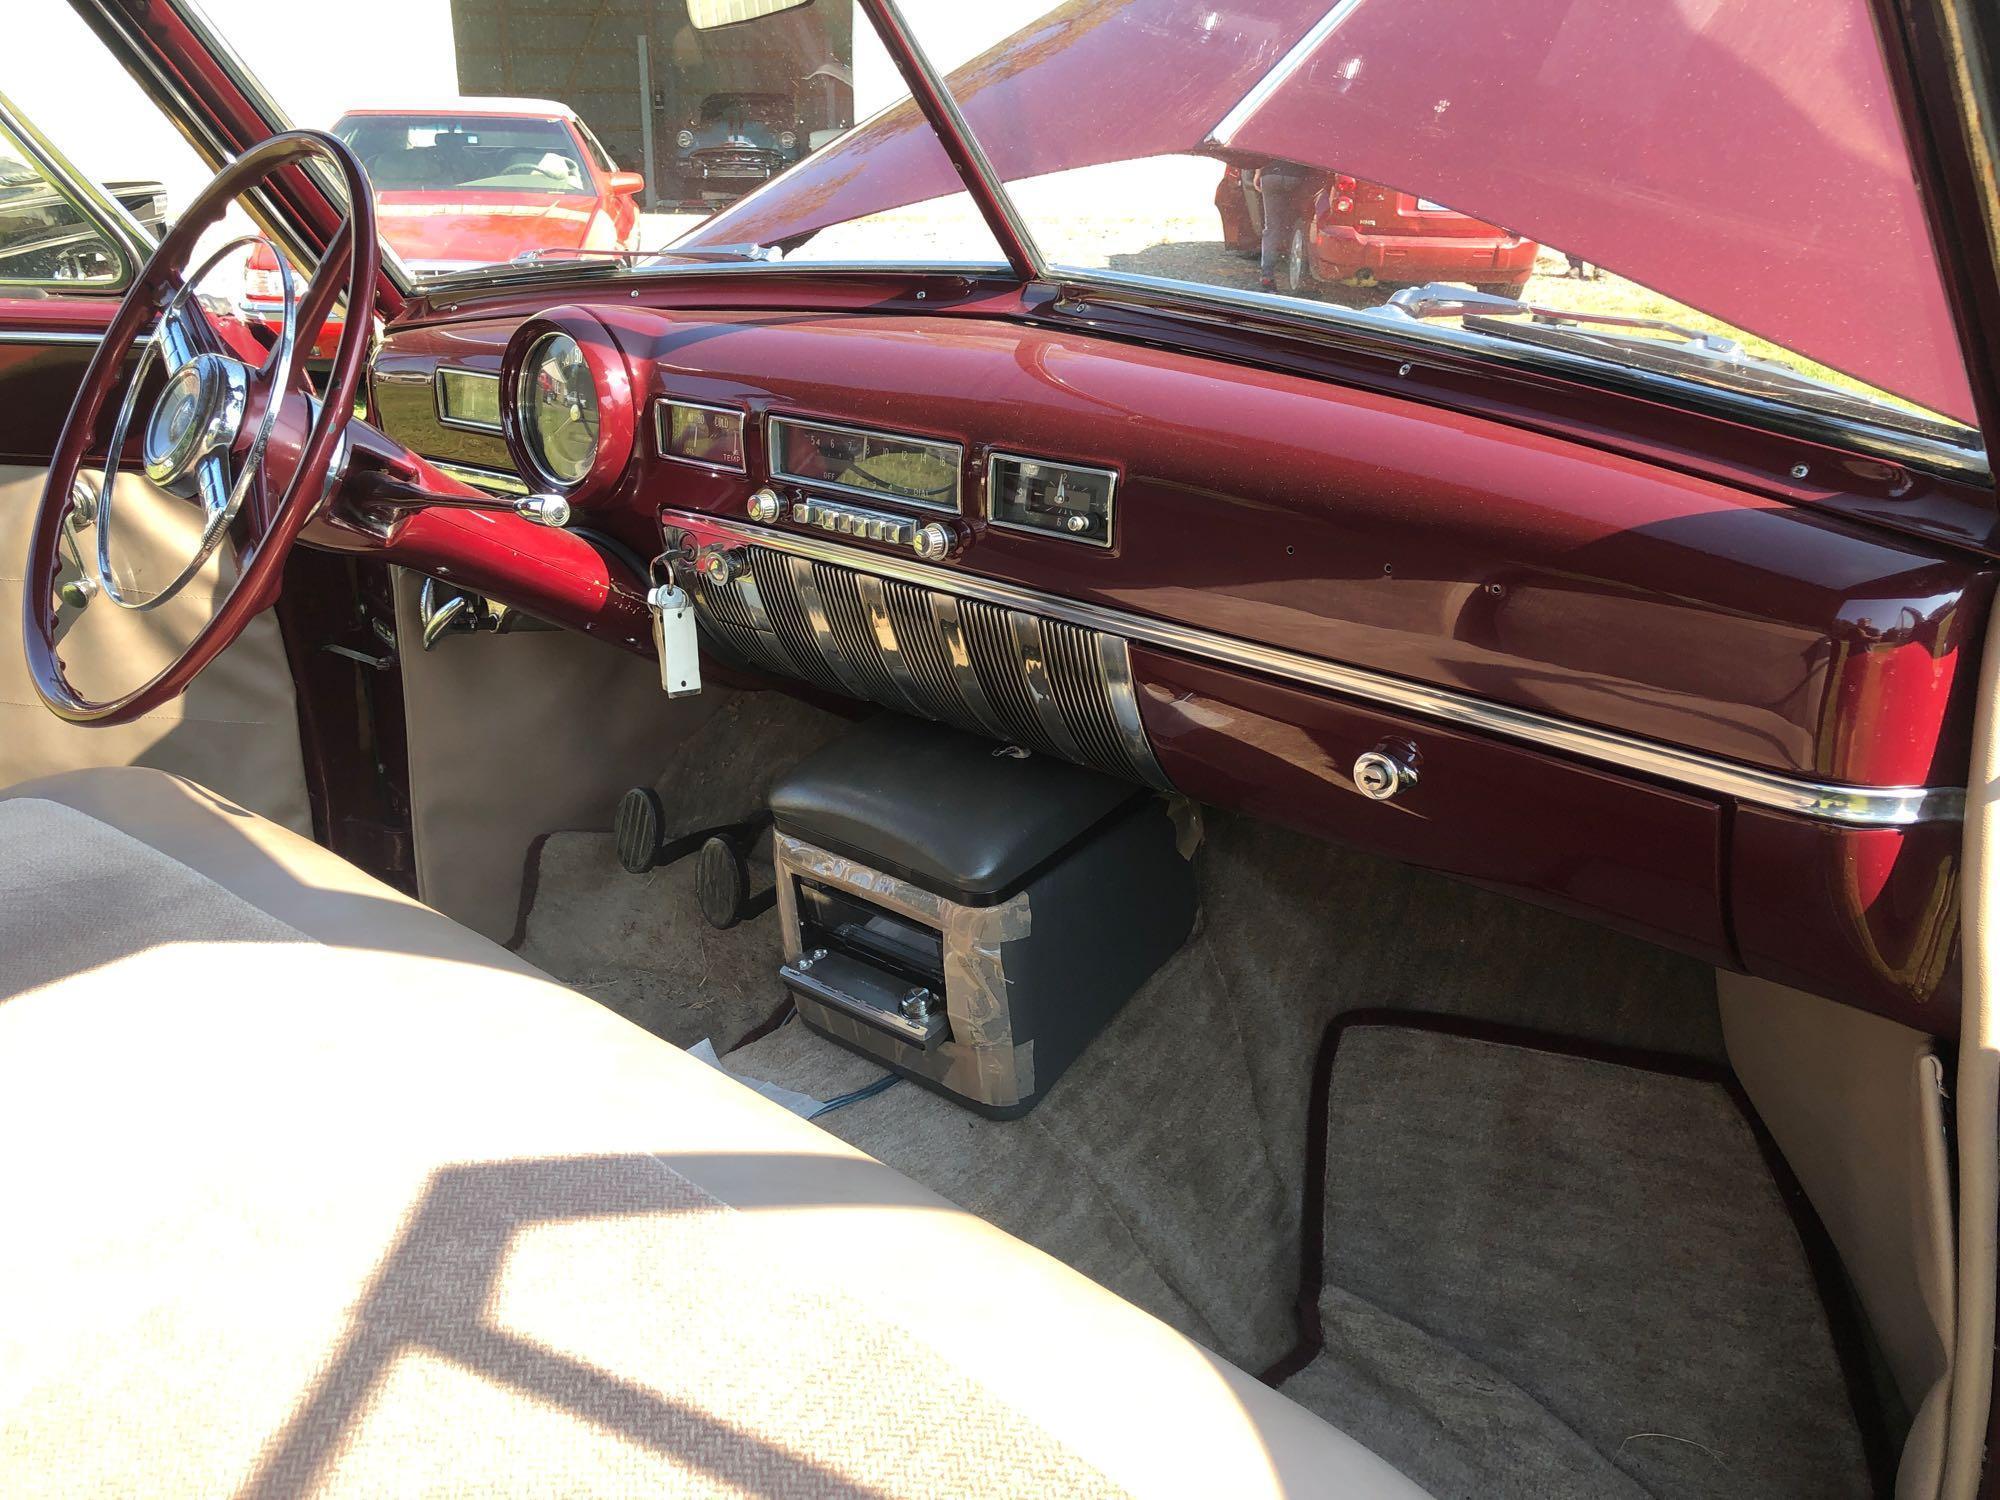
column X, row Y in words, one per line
column 1281, row 185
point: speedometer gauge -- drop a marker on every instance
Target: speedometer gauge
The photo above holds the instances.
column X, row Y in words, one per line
column 559, row 413
column 569, row 415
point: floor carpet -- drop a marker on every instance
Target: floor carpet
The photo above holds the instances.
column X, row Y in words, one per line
column 638, row 943
column 1551, row 1275
column 1170, row 1162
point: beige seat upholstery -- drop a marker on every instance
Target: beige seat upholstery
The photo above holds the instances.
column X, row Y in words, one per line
column 306, row 1190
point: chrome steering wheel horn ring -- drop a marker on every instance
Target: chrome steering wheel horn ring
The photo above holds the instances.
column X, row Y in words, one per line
column 196, row 421
column 199, row 411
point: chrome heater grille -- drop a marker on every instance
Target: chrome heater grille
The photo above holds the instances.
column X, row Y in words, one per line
column 1058, row 688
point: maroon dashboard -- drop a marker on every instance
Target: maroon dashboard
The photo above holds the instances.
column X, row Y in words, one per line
column 1728, row 722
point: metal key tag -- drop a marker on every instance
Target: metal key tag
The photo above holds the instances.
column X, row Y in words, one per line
column 674, row 639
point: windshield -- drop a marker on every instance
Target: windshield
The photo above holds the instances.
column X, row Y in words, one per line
column 1316, row 161
column 519, row 135
column 435, row 153
column 1333, row 156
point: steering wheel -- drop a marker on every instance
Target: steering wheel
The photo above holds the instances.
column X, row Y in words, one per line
column 218, row 434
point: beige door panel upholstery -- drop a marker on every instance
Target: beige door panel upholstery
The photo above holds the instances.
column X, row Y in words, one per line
column 312, row 1192
column 514, row 736
column 236, row 729
column 1856, row 1102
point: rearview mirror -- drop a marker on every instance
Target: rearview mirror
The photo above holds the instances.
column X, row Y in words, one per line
column 707, row 15
column 626, row 184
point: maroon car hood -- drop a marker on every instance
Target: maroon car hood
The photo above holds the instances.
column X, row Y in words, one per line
column 1741, row 156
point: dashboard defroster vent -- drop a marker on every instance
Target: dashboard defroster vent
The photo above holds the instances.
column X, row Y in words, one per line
column 1057, row 688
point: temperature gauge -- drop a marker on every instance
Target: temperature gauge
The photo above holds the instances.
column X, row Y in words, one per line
column 1071, row 501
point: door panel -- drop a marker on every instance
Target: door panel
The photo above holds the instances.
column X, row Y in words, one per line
column 236, row 731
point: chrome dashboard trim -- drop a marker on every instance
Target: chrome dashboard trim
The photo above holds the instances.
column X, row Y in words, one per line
column 493, row 481
column 943, row 609
column 821, row 624
column 1833, row 802
column 1114, row 656
column 1037, row 679
column 49, row 336
column 875, row 610
column 463, row 424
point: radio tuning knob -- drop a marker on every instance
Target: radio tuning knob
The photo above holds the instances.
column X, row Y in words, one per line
column 934, row 541
column 766, row 506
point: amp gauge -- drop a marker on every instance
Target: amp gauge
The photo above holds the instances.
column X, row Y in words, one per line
column 1072, row 501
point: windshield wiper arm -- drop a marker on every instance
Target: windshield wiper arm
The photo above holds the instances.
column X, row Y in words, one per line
column 527, row 260
column 1442, row 300
column 574, row 258
column 1691, row 354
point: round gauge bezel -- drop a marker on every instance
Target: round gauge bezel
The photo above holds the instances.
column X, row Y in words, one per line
column 617, row 415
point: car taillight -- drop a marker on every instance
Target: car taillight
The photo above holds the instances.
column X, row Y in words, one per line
column 261, row 282
column 1343, row 193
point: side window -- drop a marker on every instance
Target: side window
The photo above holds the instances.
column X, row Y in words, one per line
column 47, row 241
column 106, row 132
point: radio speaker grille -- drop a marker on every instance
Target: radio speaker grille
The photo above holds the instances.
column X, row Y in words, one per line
column 1054, row 687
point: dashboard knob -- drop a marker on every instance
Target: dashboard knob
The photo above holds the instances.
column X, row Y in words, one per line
column 934, row 541
column 543, row 510
column 766, row 506
column 1385, row 771
column 720, row 565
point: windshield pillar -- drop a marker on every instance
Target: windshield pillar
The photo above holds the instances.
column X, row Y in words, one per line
column 941, row 110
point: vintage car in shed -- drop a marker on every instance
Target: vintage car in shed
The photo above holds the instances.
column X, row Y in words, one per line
column 919, row 845
column 737, row 142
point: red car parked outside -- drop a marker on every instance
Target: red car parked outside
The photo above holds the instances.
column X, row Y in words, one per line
column 477, row 182
column 1363, row 233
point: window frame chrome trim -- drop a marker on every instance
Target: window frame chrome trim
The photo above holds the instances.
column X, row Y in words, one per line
column 773, row 420
column 1840, row 803
column 100, row 212
column 1077, row 287
column 660, row 405
column 495, row 428
column 239, row 73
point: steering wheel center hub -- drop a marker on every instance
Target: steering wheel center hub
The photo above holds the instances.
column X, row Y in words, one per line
column 198, row 413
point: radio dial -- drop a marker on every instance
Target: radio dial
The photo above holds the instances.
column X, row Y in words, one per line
column 934, row 541
column 765, row 506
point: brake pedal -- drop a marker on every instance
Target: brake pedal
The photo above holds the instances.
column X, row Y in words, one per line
column 722, row 883
column 638, row 826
